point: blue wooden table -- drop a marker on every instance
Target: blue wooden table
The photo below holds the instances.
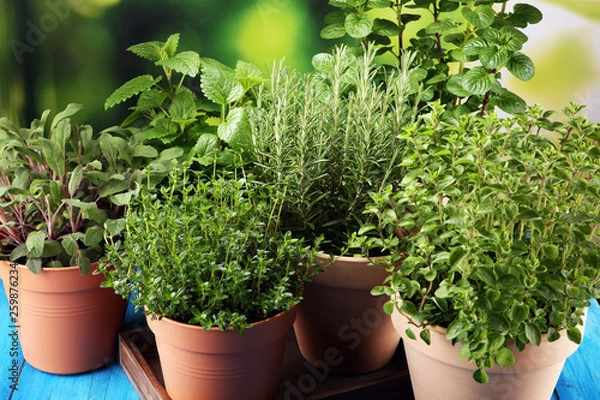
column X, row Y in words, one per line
column 580, row 379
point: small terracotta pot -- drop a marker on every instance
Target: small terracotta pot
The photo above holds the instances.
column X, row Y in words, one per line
column 532, row 377
column 67, row 324
column 217, row 365
column 340, row 326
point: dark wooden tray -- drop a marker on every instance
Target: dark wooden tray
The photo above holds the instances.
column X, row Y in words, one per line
column 299, row 380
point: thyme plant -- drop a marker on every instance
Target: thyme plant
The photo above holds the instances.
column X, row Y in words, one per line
column 208, row 251
column 330, row 137
column 463, row 46
column 504, row 216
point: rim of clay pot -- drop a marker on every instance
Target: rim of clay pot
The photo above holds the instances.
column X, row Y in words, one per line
column 349, row 272
column 529, row 352
column 261, row 332
column 61, row 279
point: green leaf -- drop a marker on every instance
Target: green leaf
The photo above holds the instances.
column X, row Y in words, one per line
column 71, row 109
column 35, row 243
column 130, row 89
column 481, row 17
column 474, row 46
column 478, row 81
column 219, row 83
column 183, row 109
column 358, row 26
column 186, row 63
column 205, row 148
column 75, row 181
column 493, row 57
column 524, row 14
column 510, row 102
column 426, row 336
column 480, row 376
column 518, row 313
column 150, row 99
column 410, row 334
column 148, row 50
column 385, row 27
column 236, row 130
column 34, row 265
column 526, row 214
column 533, row 334
column 335, row 17
column 53, row 155
column 61, row 134
column 574, row 334
column 521, row 66
column 69, row 243
column 94, row 235
column 249, row 75
column 550, row 251
column 114, row 227
column 170, row 47
column 333, row 31
column 454, row 330
column 457, row 255
column 388, row 307
column 454, row 86
column 145, row 151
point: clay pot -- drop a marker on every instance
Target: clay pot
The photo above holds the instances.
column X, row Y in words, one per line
column 340, row 326
column 66, row 323
column 533, row 376
column 217, row 365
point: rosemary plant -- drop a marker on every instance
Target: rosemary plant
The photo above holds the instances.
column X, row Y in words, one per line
column 330, row 137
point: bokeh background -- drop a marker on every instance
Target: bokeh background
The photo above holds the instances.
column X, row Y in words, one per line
column 53, row 52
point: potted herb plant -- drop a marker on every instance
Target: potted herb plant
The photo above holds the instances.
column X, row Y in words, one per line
column 199, row 122
column 462, row 46
column 219, row 280
column 328, row 138
column 60, row 184
column 504, row 255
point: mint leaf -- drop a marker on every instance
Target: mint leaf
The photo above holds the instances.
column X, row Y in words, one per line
column 219, row 83
column 186, row 63
column 130, row 89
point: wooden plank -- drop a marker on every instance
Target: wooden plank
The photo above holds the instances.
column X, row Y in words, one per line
column 580, row 378
column 299, row 379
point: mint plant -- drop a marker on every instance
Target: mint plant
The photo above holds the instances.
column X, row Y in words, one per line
column 463, row 47
column 329, row 137
column 61, row 184
column 201, row 125
column 208, row 251
column 503, row 215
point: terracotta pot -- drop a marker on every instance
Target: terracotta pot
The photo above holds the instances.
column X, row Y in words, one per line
column 340, row 326
column 217, row 365
column 67, row 324
column 533, row 376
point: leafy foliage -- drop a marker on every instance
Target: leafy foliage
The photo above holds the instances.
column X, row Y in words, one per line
column 330, row 137
column 464, row 45
column 503, row 215
column 171, row 115
column 208, row 253
column 60, row 184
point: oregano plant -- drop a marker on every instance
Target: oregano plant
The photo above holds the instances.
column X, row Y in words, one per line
column 197, row 108
column 463, row 46
column 493, row 231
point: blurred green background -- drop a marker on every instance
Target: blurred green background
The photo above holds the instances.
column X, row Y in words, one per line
column 53, row 52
